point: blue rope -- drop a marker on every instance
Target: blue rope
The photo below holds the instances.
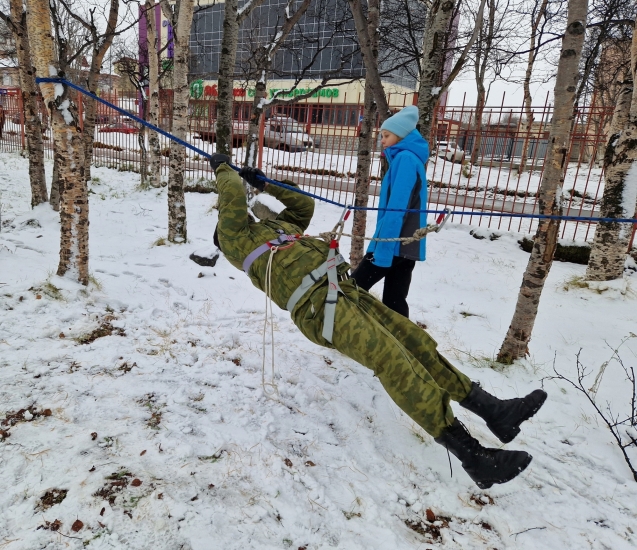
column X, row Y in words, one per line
column 318, row 197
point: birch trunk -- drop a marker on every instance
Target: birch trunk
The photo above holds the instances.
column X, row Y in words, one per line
column 101, row 44
column 433, row 58
column 252, row 142
column 526, row 84
column 227, row 61
column 265, row 56
column 516, row 342
column 477, row 123
column 365, row 143
column 28, row 90
column 366, row 31
column 182, row 21
column 54, row 199
column 141, row 141
column 363, row 172
column 154, row 179
column 610, row 245
column 69, row 150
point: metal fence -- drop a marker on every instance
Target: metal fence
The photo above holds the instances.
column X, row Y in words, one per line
column 492, row 183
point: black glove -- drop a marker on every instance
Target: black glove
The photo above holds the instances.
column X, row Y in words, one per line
column 217, row 159
column 251, row 175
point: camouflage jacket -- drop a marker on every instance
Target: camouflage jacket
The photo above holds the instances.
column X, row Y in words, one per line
column 239, row 235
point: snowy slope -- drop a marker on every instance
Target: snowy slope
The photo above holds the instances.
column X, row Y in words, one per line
column 173, row 398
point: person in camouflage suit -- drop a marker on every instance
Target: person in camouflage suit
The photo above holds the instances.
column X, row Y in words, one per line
column 402, row 355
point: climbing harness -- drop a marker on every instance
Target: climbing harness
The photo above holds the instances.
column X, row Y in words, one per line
column 278, row 242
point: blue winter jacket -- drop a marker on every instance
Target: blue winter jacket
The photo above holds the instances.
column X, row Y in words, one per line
column 404, row 187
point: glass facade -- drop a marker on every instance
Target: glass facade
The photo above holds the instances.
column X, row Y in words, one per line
column 324, row 41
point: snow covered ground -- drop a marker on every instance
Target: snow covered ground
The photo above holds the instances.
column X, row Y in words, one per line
column 159, row 435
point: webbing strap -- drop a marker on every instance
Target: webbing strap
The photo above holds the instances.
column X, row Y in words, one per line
column 332, row 293
column 308, row 281
column 281, row 239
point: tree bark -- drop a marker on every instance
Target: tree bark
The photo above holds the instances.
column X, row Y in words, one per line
column 363, row 173
column 369, row 50
column 54, row 199
column 610, row 244
column 181, row 19
column 28, row 90
column 141, row 141
column 516, row 342
column 477, row 123
column 69, row 149
column 433, row 58
column 154, row 179
column 227, row 61
column 366, row 142
column 101, row 44
column 535, row 23
column 265, row 57
column 482, row 58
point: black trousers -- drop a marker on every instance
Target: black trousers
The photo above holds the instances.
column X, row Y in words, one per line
column 397, row 280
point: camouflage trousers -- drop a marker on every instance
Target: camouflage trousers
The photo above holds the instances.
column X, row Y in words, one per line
column 402, row 355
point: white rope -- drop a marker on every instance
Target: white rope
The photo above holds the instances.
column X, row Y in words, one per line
column 273, row 393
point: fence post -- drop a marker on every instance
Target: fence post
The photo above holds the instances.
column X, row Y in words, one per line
column 261, row 136
column 22, row 121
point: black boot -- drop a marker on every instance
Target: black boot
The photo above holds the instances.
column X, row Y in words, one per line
column 484, row 466
column 503, row 417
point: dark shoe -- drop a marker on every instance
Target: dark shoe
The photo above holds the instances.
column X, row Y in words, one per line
column 484, row 466
column 503, row 417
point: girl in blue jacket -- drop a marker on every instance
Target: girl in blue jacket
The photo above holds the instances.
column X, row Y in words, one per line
column 404, row 187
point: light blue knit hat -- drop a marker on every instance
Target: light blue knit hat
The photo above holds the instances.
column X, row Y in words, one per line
column 403, row 122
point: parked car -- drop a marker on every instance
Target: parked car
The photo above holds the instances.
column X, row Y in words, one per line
column 239, row 133
column 121, row 128
column 449, row 150
column 287, row 134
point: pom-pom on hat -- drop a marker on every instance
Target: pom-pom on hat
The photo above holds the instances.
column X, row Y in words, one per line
column 403, row 122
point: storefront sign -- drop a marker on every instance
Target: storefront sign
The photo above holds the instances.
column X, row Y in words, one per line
column 199, row 91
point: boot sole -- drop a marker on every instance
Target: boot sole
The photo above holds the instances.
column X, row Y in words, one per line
column 487, row 484
column 513, row 432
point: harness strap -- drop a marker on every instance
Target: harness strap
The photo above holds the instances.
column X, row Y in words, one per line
column 280, row 240
column 332, row 292
column 308, row 281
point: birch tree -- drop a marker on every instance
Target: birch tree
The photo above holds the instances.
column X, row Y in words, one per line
column 366, row 139
column 137, row 75
column 233, row 17
column 263, row 59
column 516, row 342
column 69, row 149
column 154, row 176
column 16, row 21
column 436, row 46
column 100, row 42
column 610, row 245
column 179, row 14
column 489, row 60
column 369, row 49
column 538, row 17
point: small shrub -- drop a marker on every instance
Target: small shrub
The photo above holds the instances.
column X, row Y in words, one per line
column 160, row 242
